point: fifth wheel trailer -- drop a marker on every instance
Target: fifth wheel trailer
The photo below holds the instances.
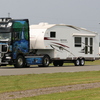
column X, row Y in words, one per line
column 64, row 43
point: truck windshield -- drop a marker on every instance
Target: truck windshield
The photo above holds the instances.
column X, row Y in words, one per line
column 5, row 36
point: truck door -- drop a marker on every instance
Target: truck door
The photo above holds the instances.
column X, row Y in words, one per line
column 20, row 30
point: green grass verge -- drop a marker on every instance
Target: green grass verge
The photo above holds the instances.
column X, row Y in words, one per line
column 35, row 81
column 88, row 94
column 97, row 62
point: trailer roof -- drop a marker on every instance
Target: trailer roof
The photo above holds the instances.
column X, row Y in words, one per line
column 42, row 26
column 46, row 26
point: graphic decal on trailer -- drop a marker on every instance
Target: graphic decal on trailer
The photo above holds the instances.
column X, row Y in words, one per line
column 60, row 47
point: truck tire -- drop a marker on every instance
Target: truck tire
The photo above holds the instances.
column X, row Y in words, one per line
column 82, row 62
column 20, row 62
column 77, row 62
column 45, row 61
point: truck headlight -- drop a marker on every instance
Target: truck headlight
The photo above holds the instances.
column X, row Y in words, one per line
column 8, row 57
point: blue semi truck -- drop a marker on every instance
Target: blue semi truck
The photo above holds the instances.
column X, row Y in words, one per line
column 15, row 45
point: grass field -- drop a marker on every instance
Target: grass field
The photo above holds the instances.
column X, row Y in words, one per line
column 35, row 81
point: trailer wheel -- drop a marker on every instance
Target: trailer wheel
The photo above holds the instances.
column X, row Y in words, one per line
column 77, row 62
column 82, row 62
column 45, row 61
column 55, row 63
column 60, row 63
column 20, row 62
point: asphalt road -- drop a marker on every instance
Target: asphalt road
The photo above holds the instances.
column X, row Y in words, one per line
column 51, row 69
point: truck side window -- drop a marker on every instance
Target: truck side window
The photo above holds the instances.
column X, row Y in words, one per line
column 77, row 41
column 53, row 34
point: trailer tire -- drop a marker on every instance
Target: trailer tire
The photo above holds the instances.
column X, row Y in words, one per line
column 60, row 63
column 77, row 62
column 55, row 63
column 45, row 61
column 82, row 62
column 20, row 62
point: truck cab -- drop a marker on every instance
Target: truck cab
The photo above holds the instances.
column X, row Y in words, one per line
column 14, row 40
column 15, row 44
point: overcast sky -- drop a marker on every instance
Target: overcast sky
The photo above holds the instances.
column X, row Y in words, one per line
column 81, row 13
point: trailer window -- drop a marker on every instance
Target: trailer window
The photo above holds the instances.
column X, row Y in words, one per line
column 86, row 46
column 77, row 41
column 53, row 34
column 91, row 45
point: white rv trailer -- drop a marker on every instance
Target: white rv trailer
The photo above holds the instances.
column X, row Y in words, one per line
column 64, row 43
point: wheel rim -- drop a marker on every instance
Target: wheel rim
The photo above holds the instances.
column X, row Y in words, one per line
column 20, row 61
column 82, row 62
column 46, row 61
column 77, row 62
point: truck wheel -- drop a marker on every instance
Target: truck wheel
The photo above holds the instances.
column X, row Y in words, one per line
column 55, row 63
column 77, row 62
column 20, row 62
column 45, row 61
column 82, row 62
column 40, row 65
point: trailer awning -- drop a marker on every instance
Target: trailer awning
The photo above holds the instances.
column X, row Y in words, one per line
column 85, row 35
